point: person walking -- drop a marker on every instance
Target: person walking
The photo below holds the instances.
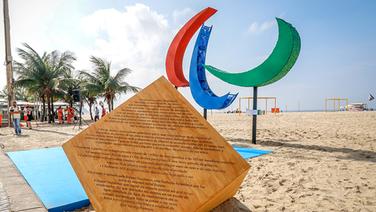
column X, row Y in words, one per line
column 15, row 113
column 96, row 112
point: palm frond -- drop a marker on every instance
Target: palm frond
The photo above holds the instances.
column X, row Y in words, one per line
column 122, row 73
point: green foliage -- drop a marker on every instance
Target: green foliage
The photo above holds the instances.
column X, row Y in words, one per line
column 43, row 75
column 101, row 83
column 51, row 76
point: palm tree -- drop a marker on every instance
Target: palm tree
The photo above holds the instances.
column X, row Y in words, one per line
column 89, row 96
column 72, row 82
column 41, row 74
column 66, row 86
column 101, row 82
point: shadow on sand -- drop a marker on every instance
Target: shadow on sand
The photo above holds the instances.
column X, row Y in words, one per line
column 351, row 154
column 52, row 131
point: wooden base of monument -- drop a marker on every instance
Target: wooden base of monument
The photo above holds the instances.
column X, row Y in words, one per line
column 155, row 152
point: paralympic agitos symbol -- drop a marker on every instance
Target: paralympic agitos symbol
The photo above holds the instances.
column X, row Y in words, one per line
column 277, row 65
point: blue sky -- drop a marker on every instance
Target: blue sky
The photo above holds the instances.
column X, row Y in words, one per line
column 337, row 58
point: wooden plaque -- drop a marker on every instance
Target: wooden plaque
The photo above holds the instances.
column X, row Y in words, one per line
column 155, row 152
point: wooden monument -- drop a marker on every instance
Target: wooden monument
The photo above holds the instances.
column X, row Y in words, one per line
column 155, row 153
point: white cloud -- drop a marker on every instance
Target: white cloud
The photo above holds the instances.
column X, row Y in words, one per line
column 136, row 38
column 181, row 16
column 28, row 23
column 257, row 27
column 43, row 24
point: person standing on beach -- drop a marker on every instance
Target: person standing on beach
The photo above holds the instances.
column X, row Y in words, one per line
column 70, row 111
column 60, row 115
column 25, row 114
column 96, row 112
column 103, row 111
column 29, row 114
column 15, row 113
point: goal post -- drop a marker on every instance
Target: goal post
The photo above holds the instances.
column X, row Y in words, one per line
column 336, row 103
column 249, row 98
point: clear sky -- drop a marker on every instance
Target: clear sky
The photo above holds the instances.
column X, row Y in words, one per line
column 337, row 59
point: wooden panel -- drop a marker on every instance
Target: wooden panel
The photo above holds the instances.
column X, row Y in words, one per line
column 155, row 153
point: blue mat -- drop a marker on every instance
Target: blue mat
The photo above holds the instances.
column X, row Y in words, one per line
column 52, row 178
column 247, row 153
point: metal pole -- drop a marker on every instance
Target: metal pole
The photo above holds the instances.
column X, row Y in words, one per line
column 347, row 104
column 266, row 105
column 254, row 118
column 240, row 104
column 275, row 104
column 79, row 127
column 8, row 57
column 205, row 113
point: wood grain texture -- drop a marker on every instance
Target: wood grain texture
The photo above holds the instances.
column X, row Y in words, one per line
column 155, row 153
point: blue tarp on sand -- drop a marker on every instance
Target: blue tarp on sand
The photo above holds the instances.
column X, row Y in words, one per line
column 52, row 178
column 247, row 153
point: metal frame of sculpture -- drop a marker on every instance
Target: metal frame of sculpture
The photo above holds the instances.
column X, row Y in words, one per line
column 276, row 66
column 175, row 53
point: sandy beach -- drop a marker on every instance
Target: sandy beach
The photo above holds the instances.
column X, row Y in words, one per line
column 320, row 161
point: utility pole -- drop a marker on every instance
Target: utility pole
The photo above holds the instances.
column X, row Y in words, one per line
column 8, row 57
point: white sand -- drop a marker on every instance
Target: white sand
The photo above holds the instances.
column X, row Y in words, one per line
column 320, row 161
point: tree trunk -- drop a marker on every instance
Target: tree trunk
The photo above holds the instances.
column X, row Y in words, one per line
column 112, row 103
column 52, row 109
column 44, row 108
column 90, row 105
column 49, row 109
column 109, row 104
column 8, row 58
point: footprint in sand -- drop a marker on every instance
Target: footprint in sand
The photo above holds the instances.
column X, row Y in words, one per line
column 314, row 189
column 282, row 182
column 291, row 164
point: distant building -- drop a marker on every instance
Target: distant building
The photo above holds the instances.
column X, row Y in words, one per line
column 357, row 107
